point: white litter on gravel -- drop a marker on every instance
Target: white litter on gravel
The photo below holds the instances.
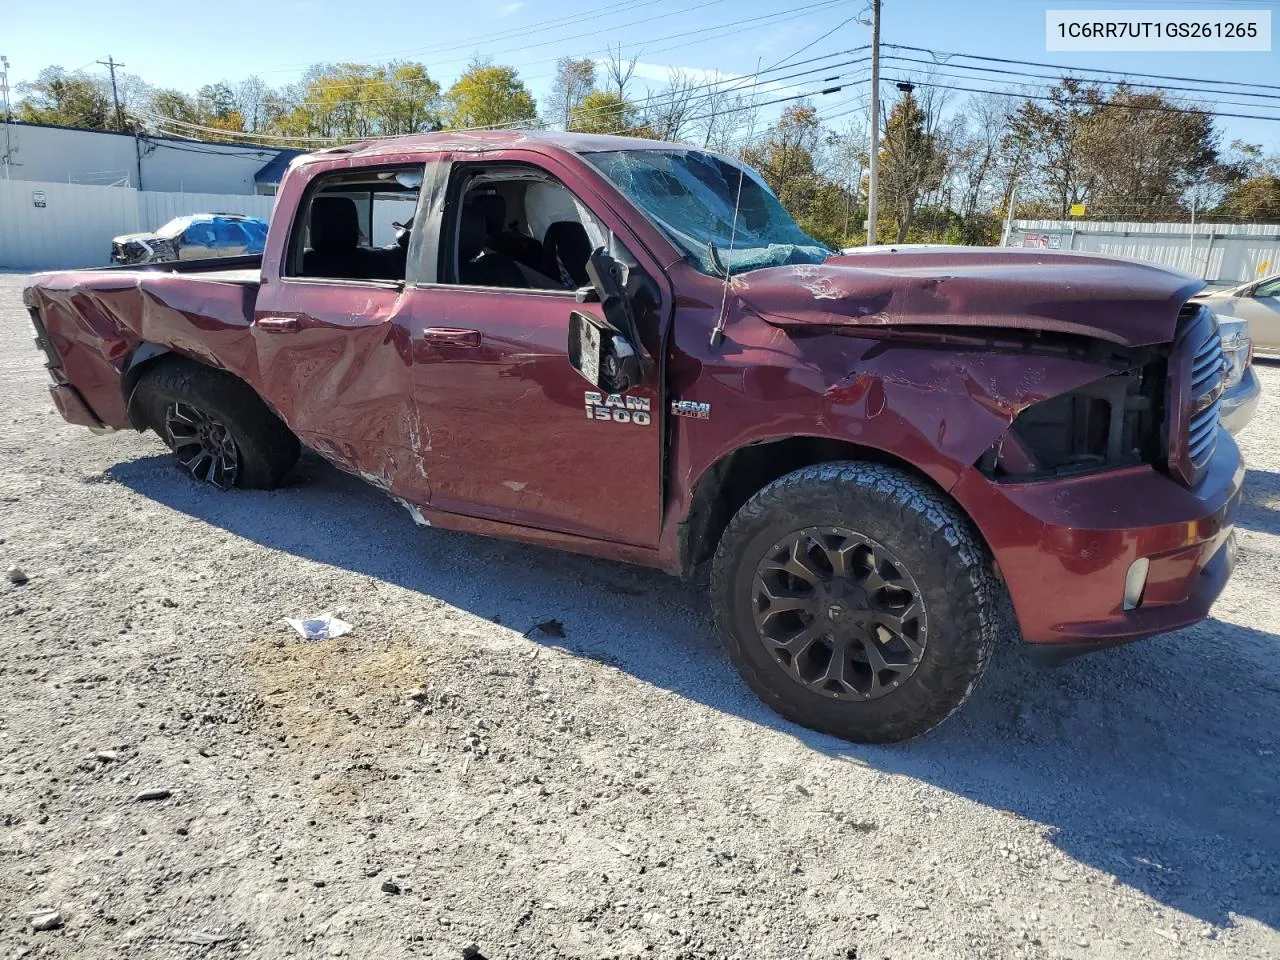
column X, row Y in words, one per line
column 323, row 627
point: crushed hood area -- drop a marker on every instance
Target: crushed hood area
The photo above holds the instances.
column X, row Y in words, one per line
column 1116, row 300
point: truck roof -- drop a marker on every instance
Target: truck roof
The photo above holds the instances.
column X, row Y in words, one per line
column 481, row 141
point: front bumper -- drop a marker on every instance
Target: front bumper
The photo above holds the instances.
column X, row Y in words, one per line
column 1240, row 402
column 1064, row 548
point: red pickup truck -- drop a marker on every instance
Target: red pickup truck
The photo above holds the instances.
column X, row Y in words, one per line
column 628, row 349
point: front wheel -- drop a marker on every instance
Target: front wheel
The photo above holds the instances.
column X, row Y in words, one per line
column 854, row 599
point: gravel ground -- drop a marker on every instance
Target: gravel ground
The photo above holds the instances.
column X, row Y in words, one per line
column 446, row 776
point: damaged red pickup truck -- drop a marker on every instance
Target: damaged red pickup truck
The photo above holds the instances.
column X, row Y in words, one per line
column 565, row 340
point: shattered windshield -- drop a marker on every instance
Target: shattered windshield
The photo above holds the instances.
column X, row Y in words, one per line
column 690, row 196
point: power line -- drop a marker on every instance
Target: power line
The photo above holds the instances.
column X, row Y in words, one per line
column 727, row 28
column 1193, row 106
column 946, row 55
column 1066, row 74
column 715, row 89
column 1102, row 105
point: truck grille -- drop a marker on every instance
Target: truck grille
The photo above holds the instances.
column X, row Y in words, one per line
column 1199, row 367
column 1207, row 370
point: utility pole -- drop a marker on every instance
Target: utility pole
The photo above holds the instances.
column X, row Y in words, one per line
column 873, row 185
column 111, row 65
column 4, row 89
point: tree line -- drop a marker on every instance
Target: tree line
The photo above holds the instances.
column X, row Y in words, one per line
column 949, row 169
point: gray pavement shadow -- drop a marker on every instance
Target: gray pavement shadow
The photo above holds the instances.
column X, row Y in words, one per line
column 1155, row 763
column 1260, row 505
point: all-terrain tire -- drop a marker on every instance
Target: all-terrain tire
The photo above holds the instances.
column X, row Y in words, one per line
column 266, row 448
column 935, row 543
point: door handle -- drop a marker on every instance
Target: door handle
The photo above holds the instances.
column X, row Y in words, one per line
column 278, row 324
column 451, row 337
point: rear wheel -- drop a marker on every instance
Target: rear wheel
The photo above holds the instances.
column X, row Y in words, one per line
column 856, row 600
column 219, row 430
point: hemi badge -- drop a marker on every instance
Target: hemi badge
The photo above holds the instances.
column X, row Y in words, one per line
column 691, row 409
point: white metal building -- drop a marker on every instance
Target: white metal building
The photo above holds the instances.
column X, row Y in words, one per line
column 52, row 154
column 1222, row 254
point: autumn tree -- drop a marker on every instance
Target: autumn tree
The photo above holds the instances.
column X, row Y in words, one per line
column 489, row 96
column 1140, row 154
column 785, row 155
column 1249, row 183
column 603, row 111
column 352, row 101
column 1052, row 136
column 911, row 161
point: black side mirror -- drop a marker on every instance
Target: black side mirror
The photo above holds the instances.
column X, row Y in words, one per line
column 601, row 353
column 609, row 280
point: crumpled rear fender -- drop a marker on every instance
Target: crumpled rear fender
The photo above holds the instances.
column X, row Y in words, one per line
column 97, row 321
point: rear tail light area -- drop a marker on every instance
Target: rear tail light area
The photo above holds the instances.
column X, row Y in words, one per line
column 52, row 360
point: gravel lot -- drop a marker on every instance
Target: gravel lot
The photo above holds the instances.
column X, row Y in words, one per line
column 437, row 778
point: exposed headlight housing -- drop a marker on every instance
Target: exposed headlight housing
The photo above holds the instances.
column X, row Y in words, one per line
column 1237, row 345
column 1112, row 422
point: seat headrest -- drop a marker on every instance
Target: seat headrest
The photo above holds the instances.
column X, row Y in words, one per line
column 569, row 248
column 335, row 224
column 492, row 208
column 472, row 232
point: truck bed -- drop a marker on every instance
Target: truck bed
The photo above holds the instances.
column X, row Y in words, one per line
column 94, row 321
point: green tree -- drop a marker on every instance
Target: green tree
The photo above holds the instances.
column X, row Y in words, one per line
column 68, row 99
column 177, row 106
column 489, row 96
column 603, row 111
column 353, row 101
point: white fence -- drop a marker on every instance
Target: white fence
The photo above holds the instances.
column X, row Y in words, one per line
column 1219, row 253
column 49, row 226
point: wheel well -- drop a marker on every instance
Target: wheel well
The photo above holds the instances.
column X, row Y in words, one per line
column 735, row 478
column 146, row 356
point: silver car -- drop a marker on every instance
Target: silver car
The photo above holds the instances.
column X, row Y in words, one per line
column 1258, row 304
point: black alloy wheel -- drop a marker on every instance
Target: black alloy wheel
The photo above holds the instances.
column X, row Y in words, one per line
column 840, row 613
column 203, row 445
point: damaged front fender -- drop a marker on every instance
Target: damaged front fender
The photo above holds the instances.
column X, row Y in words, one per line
column 947, row 406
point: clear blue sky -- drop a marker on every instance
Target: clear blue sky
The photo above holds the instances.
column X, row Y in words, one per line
column 190, row 45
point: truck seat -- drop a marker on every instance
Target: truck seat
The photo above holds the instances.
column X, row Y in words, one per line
column 478, row 264
column 335, row 240
column 567, row 248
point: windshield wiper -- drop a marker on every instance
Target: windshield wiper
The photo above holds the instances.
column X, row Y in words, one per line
column 716, row 263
